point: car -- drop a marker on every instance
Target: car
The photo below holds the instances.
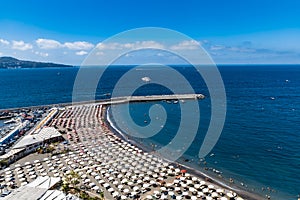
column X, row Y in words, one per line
column 66, row 142
column 5, row 193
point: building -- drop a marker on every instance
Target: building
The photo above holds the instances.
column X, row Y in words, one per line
column 40, row 189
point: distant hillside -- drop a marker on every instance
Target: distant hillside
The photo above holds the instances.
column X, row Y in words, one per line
column 10, row 62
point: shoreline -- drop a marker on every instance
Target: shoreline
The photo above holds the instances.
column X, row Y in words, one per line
column 239, row 190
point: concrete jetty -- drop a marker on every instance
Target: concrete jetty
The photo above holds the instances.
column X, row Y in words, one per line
column 117, row 100
column 120, row 100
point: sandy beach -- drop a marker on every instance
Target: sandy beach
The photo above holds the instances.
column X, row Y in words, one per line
column 106, row 161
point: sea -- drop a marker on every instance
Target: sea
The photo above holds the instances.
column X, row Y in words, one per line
column 259, row 147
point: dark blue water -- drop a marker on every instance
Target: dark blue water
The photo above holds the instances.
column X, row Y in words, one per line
column 259, row 145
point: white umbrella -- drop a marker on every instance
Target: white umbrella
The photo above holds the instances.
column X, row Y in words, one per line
column 205, row 190
column 185, row 193
column 96, row 187
column 92, row 184
column 136, row 188
column 126, row 191
column 22, row 179
column 33, row 176
column 191, row 189
column 21, row 175
column 115, row 194
column 8, row 172
column 120, row 187
column 17, row 165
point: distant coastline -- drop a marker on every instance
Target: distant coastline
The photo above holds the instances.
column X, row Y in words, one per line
column 13, row 63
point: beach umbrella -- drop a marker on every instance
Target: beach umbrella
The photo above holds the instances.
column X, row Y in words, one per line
column 202, row 183
column 115, row 194
column 44, row 174
column 28, row 166
column 210, row 186
column 191, row 189
column 136, row 188
column 231, row 195
column 106, row 185
column 17, row 165
column 33, row 176
column 30, row 169
column 56, row 174
column 200, row 193
column 123, row 197
column 6, row 169
column 92, row 184
column 224, row 198
column 178, row 197
column 149, row 197
column 220, row 191
column 96, row 187
column 22, row 179
column 8, row 172
column 194, row 178
column 205, row 190
column 126, row 191
column 214, row 195
column 120, row 187
column 31, row 173
column 21, row 175
column 163, row 188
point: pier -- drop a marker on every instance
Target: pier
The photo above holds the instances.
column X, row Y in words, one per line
column 120, row 100
column 117, row 100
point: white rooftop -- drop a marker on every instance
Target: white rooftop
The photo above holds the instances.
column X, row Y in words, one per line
column 44, row 134
column 39, row 190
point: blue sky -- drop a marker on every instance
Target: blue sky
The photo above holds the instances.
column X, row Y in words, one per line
column 250, row 31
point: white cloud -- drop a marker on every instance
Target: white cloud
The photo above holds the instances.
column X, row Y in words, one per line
column 48, row 44
column 21, row 45
column 1, row 53
column 134, row 45
column 80, row 45
column 100, row 53
column 5, row 42
column 149, row 44
column 217, row 47
column 81, row 53
column 186, row 45
column 41, row 54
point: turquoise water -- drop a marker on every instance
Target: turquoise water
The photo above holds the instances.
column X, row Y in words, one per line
column 259, row 144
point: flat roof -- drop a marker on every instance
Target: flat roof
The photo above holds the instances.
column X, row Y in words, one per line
column 37, row 189
column 44, row 134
